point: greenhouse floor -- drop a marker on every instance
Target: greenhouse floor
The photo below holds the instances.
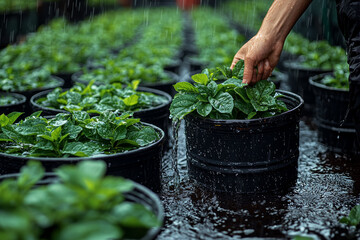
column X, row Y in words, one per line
column 327, row 187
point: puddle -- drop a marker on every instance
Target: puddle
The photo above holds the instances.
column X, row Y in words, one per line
column 328, row 186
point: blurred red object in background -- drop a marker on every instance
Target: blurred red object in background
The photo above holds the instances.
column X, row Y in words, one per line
column 125, row 3
column 187, row 4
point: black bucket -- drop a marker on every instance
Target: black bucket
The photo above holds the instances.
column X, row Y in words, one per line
column 157, row 116
column 140, row 165
column 331, row 105
column 194, row 65
column 16, row 107
column 245, row 156
column 298, row 78
column 174, row 66
column 68, row 83
column 139, row 194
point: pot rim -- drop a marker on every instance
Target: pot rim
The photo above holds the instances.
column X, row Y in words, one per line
column 102, row 157
column 314, row 81
column 22, row 99
column 143, row 89
column 257, row 120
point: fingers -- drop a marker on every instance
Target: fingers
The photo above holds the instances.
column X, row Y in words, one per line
column 249, row 71
column 260, row 71
column 237, row 57
column 267, row 69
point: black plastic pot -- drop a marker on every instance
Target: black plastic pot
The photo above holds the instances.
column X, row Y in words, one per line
column 68, row 83
column 139, row 194
column 245, row 156
column 141, row 165
column 331, row 105
column 48, row 10
column 16, row 107
column 174, row 66
column 194, row 65
column 157, row 116
column 299, row 83
column 9, row 27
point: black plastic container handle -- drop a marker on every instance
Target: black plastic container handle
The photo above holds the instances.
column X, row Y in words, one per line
column 245, row 156
column 16, row 107
column 157, row 116
column 140, row 165
column 140, row 194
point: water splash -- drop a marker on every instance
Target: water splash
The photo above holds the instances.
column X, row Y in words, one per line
column 176, row 174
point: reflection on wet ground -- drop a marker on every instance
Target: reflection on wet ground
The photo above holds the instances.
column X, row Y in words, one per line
column 328, row 186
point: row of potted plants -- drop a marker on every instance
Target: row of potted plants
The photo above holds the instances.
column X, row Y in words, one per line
column 157, row 49
column 309, row 59
column 215, row 40
column 59, row 51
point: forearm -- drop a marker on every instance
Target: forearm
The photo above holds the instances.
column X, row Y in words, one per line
column 281, row 17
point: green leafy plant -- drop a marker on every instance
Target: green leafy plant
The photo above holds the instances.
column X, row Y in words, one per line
column 125, row 72
column 12, row 80
column 230, row 99
column 15, row 5
column 8, row 100
column 80, row 204
column 96, row 99
column 340, row 79
column 354, row 217
column 73, row 135
column 318, row 54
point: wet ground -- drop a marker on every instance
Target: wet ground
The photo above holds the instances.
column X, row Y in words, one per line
column 328, row 186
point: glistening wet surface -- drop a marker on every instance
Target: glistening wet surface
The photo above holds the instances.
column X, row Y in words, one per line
column 328, row 186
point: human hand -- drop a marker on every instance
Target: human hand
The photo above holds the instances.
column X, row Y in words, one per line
column 261, row 52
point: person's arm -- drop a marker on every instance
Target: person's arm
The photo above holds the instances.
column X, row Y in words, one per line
column 264, row 49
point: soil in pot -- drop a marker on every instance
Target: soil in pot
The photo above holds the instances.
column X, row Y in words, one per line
column 299, row 83
column 335, row 129
column 82, row 189
column 12, row 102
column 130, row 149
